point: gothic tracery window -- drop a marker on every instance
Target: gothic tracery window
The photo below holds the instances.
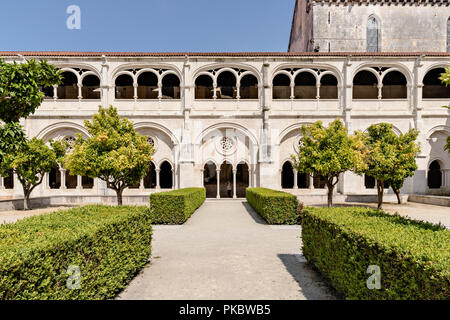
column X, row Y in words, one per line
column 448, row 35
column 372, row 35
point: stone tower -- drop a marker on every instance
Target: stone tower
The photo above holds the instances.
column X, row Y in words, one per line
column 371, row 25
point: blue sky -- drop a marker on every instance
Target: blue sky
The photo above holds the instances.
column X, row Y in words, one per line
column 148, row 25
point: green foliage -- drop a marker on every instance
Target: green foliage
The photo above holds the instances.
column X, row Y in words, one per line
column 327, row 151
column 20, row 84
column 276, row 207
column 12, row 137
column 30, row 162
column 413, row 256
column 445, row 78
column 388, row 157
column 109, row 245
column 114, row 153
column 175, row 207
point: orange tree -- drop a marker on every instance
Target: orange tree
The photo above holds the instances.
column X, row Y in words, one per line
column 114, row 152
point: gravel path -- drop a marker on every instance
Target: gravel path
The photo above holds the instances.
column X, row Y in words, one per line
column 225, row 251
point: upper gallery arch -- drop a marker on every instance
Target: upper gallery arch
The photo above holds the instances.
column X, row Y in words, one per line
column 147, row 82
column 80, row 81
column 225, row 81
column 306, row 82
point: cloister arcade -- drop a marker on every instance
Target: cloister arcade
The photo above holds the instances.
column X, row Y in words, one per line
column 217, row 107
column 235, row 83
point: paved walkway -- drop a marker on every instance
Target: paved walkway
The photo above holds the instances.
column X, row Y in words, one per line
column 225, row 251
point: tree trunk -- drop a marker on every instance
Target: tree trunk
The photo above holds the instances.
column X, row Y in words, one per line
column 26, row 200
column 330, row 193
column 119, row 197
column 397, row 193
column 380, row 189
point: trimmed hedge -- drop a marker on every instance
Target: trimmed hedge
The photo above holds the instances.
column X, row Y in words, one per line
column 109, row 245
column 176, row 207
column 276, row 207
column 413, row 256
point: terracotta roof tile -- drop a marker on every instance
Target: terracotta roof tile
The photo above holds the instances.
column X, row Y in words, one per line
column 217, row 54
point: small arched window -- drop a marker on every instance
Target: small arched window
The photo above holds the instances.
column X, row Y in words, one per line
column 328, row 87
column 147, row 86
column 226, row 86
column 281, row 87
column 305, row 86
column 365, row 85
column 394, row 86
column 124, row 87
column 69, row 87
column 249, row 87
column 287, row 176
column 433, row 87
column 91, row 87
column 204, row 87
column 373, row 33
column 170, row 87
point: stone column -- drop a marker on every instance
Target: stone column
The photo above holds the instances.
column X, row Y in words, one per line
column 141, row 184
column 214, row 90
column 311, row 182
column 80, row 95
column 46, row 181
column 318, row 91
column 159, row 90
column 173, row 180
column 234, row 184
column 63, row 179
column 55, row 92
column 104, row 83
column 2, row 185
column 295, row 178
column 292, row 90
column 135, row 93
column 79, row 182
column 218, row 183
column 158, row 171
column 202, row 173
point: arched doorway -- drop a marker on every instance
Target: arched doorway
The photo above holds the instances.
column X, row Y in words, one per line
column 226, row 180
column 435, row 176
column 210, row 179
column 287, row 176
column 166, row 178
column 150, row 178
column 242, row 179
column 302, row 180
column 55, row 178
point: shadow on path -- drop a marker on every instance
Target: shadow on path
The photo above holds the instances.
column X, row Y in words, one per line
column 311, row 284
column 256, row 217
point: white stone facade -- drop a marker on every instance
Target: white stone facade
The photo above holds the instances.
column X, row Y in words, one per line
column 252, row 108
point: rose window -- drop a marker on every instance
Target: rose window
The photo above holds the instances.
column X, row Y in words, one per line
column 151, row 141
column 227, row 144
column 70, row 141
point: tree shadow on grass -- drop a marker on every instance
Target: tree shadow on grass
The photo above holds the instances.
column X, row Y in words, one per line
column 310, row 283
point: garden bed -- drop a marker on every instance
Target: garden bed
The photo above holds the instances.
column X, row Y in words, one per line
column 346, row 245
column 276, row 207
column 84, row 253
column 175, row 207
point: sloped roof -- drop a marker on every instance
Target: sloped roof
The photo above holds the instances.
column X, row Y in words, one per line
column 216, row 54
